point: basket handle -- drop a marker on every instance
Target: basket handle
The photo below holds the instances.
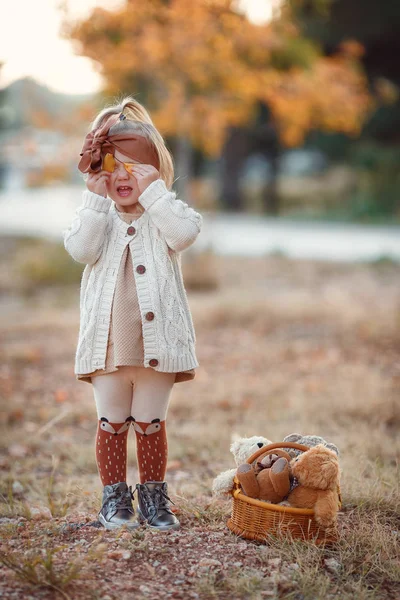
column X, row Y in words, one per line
column 264, row 449
column 278, row 452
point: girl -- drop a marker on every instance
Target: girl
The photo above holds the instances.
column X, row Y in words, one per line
column 136, row 336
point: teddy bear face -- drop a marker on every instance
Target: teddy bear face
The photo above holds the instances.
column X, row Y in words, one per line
column 317, row 468
column 243, row 448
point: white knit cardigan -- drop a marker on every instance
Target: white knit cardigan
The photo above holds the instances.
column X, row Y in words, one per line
column 97, row 237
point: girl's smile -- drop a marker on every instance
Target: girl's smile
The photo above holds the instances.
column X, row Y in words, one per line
column 122, row 186
column 124, row 191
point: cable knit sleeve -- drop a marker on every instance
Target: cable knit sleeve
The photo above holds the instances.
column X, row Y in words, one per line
column 178, row 223
column 84, row 239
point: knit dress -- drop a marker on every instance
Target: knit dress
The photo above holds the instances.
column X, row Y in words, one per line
column 125, row 341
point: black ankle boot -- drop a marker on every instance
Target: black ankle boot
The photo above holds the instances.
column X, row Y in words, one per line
column 117, row 510
column 153, row 506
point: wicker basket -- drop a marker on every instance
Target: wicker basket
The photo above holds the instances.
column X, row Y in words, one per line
column 256, row 520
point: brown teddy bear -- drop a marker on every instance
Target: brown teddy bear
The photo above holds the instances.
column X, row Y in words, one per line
column 318, row 475
column 268, row 479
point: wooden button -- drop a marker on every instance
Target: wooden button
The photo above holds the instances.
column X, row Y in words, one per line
column 141, row 269
column 149, row 316
column 153, row 362
column 131, row 230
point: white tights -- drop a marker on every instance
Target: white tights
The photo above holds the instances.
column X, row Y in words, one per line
column 133, row 391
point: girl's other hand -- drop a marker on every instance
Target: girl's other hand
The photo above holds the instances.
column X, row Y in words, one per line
column 144, row 175
column 97, row 183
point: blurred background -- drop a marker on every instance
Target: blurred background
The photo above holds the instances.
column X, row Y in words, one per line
column 270, row 107
column 286, row 112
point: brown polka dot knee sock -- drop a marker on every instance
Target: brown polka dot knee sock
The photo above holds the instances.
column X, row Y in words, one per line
column 111, row 450
column 152, row 449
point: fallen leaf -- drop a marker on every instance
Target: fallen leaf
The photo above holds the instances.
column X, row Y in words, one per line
column 60, row 395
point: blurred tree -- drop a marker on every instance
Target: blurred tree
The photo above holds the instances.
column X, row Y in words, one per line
column 201, row 67
column 376, row 27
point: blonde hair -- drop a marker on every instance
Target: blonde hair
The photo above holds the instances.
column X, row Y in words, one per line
column 139, row 121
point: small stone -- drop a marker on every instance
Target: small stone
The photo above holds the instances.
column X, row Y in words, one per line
column 274, row 563
column 332, row 565
column 150, row 569
column 156, row 563
column 209, row 562
column 120, row 554
column 7, row 520
column 237, row 564
column 241, row 546
column 40, row 513
column 144, row 589
column 17, row 488
column 17, row 450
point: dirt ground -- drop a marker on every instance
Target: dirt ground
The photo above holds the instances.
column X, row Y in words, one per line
column 284, row 346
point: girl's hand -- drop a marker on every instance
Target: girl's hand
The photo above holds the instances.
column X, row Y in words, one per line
column 97, row 183
column 144, row 175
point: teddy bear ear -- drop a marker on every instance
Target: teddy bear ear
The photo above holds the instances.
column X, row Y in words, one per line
column 329, row 472
column 293, row 437
column 235, row 446
column 334, row 448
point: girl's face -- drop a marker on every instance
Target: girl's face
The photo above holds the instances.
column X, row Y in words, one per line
column 122, row 186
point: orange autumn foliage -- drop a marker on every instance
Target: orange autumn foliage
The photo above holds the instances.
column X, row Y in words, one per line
column 202, row 66
column 332, row 96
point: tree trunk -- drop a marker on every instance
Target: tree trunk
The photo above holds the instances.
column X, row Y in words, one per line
column 234, row 153
column 271, row 200
column 183, row 167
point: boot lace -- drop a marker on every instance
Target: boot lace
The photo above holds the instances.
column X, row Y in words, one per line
column 156, row 499
column 119, row 500
column 161, row 499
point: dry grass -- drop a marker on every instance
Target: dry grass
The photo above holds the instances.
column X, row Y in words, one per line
column 284, row 346
column 40, row 571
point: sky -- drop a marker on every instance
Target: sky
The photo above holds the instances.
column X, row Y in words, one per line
column 40, row 52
